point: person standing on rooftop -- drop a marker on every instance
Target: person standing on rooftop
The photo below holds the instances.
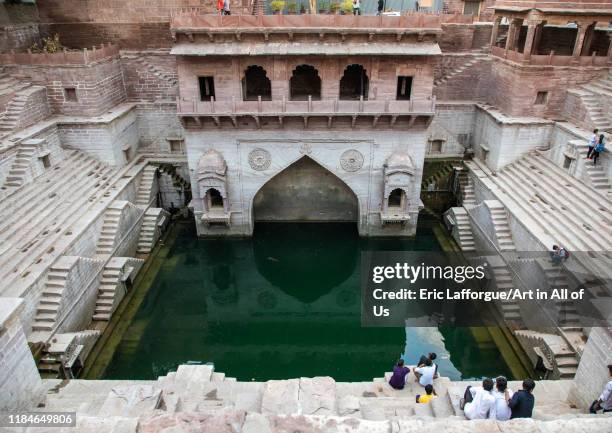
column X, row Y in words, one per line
column 356, row 7
column 381, row 6
column 226, row 7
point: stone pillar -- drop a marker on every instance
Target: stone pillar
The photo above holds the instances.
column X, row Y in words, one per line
column 529, row 40
column 518, row 23
column 538, row 37
column 588, row 39
column 510, row 36
column 495, row 30
column 579, row 40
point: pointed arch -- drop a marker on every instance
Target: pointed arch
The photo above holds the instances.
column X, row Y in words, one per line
column 256, row 83
column 305, row 81
column 305, row 191
column 354, row 83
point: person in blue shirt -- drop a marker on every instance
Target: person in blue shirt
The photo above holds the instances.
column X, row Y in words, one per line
column 599, row 148
column 592, row 143
column 522, row 402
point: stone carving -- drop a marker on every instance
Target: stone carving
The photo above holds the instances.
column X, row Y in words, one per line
column 305, row 149
column 259, row 159
column 351, row 160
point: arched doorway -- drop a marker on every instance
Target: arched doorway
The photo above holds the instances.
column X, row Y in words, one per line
column 354, row 83
column 256, row 83
column 306, row 192
column 305, row 81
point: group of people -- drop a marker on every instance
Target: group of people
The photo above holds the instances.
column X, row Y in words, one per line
column 493, row 400
column 223, row 6
column 596, row 146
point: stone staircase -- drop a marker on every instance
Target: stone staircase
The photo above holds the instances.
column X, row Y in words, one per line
column 162, row 75
column 196, row 398
column 594, row 173
column 50, row 299
column 464, row 230
column 14, row 110
column 466, row 186
column 567, row 213
column 476, row 60
column 499, row 217
column 560, row 356
column 21, row 165
column 556, row 278
column 31, row 222
column 595, row 97
column 509, row 309
column 147, row 181
column 107, row 293
column 9, row 85
column 149, row 232
column 110, row 226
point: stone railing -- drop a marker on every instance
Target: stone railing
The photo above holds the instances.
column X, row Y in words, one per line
column 192, row 20
column 551, row 59
column 309, row 107
column 81, row 57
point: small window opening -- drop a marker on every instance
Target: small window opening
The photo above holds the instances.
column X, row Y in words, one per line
column 471, row 7
column 541, row 98
column 436, row 146
column 207, row 88
column 70, row 94
column 214, row 199
column 46, row 162
column 396, row 198
column 404, row 88
column 567, row 162
column 127, row 155
column 176, row 146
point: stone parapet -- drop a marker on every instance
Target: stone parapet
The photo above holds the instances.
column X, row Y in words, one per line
column 80, row 57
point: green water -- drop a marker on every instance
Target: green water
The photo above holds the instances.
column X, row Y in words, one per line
column 283, row 304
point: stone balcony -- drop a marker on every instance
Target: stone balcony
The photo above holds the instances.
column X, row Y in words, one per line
column 192, row 26
column 65, row 57
column 382, row 113
column 551, row 59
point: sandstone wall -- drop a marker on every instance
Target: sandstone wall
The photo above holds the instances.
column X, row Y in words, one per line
column 99, row 87
column 150, row 75
column 106, row 140
column 20, row 384
column 156, row 123
column 18, row 37
column 464, row 37
column 513, row 88
column 382, row 74
column 592, row 374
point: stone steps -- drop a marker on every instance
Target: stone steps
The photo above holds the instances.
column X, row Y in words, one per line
column 464, row 229
column 108, row 236
column 499, row 217
column 107, row 296
column 145, row 188
column 41, row 213
column 20, row 166
column 50, row 300
column 567, row 222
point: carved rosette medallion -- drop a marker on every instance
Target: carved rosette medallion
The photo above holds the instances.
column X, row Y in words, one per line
column 351, row 160
column 259, row 159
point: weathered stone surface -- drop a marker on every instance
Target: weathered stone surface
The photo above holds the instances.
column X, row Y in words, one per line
column 222, row 421
column 317, row 396
column 348, row 405
column 130, row 400
column 281, row 397
column 256, row 423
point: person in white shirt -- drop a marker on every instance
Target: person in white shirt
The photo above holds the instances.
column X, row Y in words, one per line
column 605, row 399
column 481, row 400
column 592, row 143
column 500, row 410
column 425, row 373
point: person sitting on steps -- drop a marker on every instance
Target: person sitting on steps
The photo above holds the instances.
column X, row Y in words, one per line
column 500, row 410
column 558, row 254
column 425, row 374
column 398, row 380
column 430, row 394
column 522, row 402
column 604, row 402
column 478, row 401
column 432, row 356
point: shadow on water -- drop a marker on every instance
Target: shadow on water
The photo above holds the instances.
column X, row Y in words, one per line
column 285, row 303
